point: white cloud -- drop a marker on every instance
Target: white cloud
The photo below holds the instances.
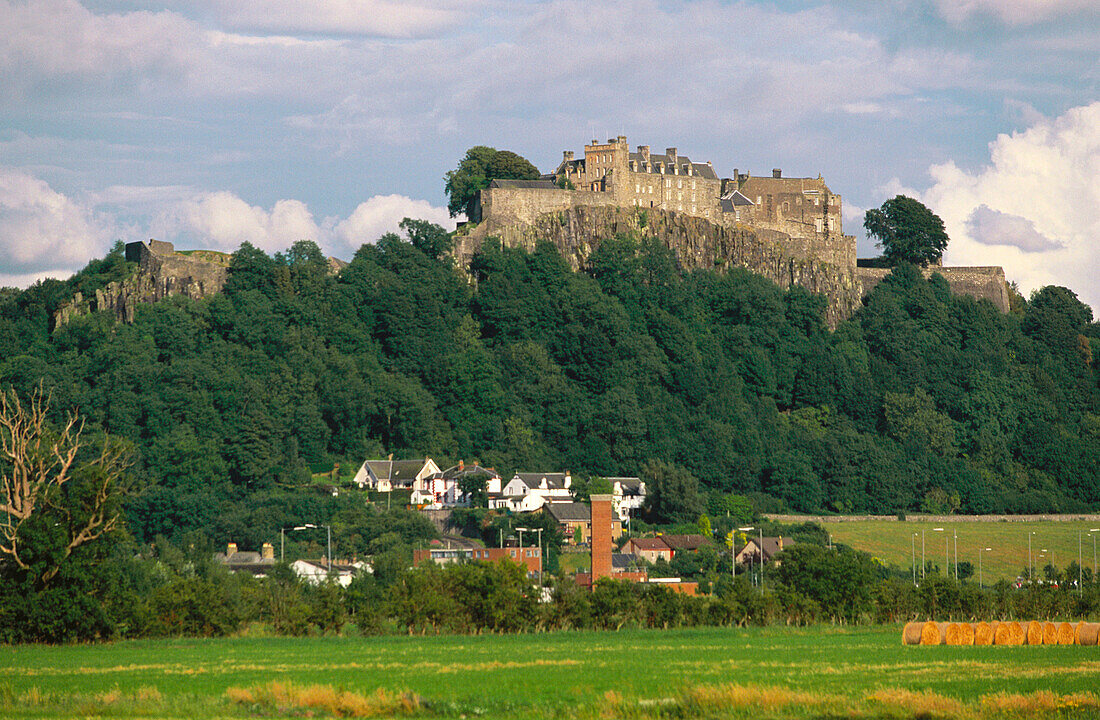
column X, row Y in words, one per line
column 43, row 231
column 63, row 39
column 1038, row 197
column 382, row 214
column 221, row 220
column 992, row 227
column 353, row 17
column 1012, row 12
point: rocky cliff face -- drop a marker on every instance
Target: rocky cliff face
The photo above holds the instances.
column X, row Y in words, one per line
column 577, row 232
column 161, row 272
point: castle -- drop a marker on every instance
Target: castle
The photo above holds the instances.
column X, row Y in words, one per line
column 788, row 229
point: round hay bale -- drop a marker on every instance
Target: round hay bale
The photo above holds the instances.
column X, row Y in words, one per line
column 930, row 634
column 1019, row 636
column 983, row 634
column 1065, row 634
column 1034, row 633
column 1002, row 635
column 910, row 634
column 1087, row 633
column 1050, row 633
column 959, row 634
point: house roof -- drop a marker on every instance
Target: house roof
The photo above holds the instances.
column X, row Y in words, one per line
column 772, row 546
column 396, row 470
column 569, row 511
column 649, row 543
column 461, row 470
column 623, row 561
column 629, row 485
column 686, row 542
column 554, row 481
column 656, row 159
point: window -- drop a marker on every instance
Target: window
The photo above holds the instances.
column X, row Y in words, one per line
column 679, row 183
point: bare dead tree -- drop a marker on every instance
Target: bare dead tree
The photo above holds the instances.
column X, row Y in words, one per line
column 38, row 463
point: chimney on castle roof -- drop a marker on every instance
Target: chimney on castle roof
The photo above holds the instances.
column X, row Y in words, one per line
column 671, row 152
column 621, row 139
column 644, row 151
column 777, row 173
column 567, row 154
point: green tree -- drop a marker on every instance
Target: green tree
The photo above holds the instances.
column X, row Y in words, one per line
column 672, row 493
column 907, row 231
column 481, row 166
column 429, row 238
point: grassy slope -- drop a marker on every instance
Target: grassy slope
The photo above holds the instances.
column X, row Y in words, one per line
column 554, row 675
column 892, row 542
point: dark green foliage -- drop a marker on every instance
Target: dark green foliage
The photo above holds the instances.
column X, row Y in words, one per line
column 478, row 168
column 907, row 231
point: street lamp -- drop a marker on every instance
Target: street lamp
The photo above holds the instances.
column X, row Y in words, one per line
column 955, row 536
column 1092, row 534
column 733, row 555
column 913, row 542
column 328, row 528
column 980, row 579
column 946, row 556
column 1030, row 565
column 539, row 531
column 923, row 562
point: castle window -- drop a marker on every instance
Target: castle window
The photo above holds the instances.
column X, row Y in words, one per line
column 679, row 183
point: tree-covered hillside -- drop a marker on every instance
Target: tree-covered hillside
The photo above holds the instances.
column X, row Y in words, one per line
column 921, row 400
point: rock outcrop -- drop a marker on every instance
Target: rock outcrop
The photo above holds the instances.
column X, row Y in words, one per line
column 697, row 243
column 160, row 272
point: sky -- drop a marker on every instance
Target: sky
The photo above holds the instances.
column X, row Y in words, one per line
column 214, row 122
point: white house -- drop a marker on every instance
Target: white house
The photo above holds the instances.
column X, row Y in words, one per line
column 526, row 492
column 389, row 474
column 444, row 488
column 317, row 572
column 628, row 495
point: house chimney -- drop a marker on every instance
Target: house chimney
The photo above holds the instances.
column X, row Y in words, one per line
column 230, row 550
column 601, row 537
column 267, row 552
column 777, row 173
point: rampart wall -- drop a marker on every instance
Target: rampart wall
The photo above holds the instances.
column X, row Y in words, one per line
column 986, row 283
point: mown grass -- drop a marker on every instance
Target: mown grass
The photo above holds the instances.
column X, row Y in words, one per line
column 751, row 673
column 893, row 542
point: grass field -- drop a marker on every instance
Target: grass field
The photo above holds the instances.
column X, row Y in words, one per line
column 893, row 542
column 711, row 673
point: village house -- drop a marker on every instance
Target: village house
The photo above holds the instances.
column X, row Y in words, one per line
column 577, row 516
column 629, row 496
column 529, row 557
column 389, row 474
column 649, row 549
column 772, row 546
column 527, row 492
column 315, row 572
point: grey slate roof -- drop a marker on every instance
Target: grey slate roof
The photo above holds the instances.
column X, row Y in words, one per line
column 396, row 471
column 655, row 159
column 630, row 485
column 569, row 511
column 554, row 481
column 687, row 542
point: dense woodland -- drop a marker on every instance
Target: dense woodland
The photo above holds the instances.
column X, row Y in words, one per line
column 714, row 387
column 922, row 400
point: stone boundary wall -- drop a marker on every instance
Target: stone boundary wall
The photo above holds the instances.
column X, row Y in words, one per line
column 932, row 518
column 987, row 283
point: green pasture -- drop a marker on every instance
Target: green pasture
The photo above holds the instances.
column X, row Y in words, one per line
column 894, row 542
column 757, row 673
